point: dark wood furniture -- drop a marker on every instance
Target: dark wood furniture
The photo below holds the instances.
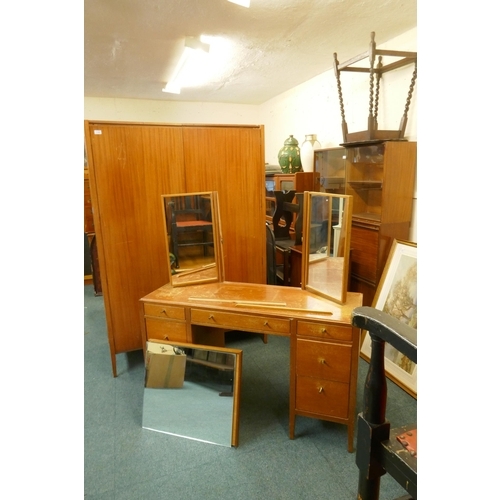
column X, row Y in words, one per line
column 283, row 216
column 289, row 209
column 298, row 182
column 379, row 448
column 375, row 69
column 89, row 229
column 277, row 260
column 380, row 177
column 296, row 265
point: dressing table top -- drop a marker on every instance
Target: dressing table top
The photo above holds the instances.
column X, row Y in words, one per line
column 279, row 301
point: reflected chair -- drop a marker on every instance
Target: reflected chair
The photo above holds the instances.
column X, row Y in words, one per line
column 379, row 448
column 191, row 225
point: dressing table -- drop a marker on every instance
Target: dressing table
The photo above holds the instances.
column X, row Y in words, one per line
column 324, row 346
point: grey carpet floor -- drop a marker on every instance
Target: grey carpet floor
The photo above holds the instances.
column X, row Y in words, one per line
column 124, row 461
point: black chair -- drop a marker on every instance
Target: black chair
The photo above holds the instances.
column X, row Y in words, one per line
column 277, row 273
column 283, row 216
column 379, row 448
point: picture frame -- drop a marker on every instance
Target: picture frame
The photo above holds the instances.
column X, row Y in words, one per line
column 398, row 281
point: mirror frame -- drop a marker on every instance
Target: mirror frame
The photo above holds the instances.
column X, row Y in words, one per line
column 198, row 275
column 346, row 232
column 235, row 430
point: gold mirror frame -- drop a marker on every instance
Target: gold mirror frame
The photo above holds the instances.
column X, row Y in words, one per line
column 158, row 403
column 326, row 244
column 202, row 210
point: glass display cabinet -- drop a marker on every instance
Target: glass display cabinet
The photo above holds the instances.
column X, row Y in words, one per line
column 380, row 177
column 330, row 165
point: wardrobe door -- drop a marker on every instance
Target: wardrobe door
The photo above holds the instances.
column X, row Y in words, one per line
column 230, row 160
column 130, row 167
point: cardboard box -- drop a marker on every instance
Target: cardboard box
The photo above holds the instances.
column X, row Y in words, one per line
column 164, row 368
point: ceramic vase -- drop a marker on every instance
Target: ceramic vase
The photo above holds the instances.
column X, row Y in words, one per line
column 307, row 152
column 289, row 156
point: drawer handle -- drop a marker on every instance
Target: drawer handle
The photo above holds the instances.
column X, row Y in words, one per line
column 323, row 330
column 266, row 323
column 321, row 390
column 164, row 311
column 165, row 337
column 322, row 361
column 210, row 316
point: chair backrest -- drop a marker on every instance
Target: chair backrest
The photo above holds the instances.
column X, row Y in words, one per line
column 376, row 452
column 289, row 208
column 282, row 197
column 270, row 256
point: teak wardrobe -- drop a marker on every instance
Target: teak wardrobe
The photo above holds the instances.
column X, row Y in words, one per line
column 130, row 166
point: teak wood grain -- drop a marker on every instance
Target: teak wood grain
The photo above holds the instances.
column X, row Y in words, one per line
column 324, row 346
column 382, row 190
column 130, row 166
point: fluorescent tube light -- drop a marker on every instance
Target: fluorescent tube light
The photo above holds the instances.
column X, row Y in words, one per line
column 243, row 3
column 187, row 65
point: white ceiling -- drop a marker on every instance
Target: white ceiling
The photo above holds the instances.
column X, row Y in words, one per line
column 132, row 46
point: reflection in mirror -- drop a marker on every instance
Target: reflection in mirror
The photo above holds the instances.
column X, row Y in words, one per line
column 327, row 235
column 206, row 405
column 193, row 240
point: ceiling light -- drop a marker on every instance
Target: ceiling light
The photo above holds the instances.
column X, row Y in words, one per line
column 188, row 65
column 243, row 3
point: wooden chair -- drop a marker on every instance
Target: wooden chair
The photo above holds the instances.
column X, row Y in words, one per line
column 379, row 448
column 283, row 216
column 288, row 214
column 191, row 225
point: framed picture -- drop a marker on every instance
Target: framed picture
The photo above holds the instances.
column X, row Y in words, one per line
column 397, row 295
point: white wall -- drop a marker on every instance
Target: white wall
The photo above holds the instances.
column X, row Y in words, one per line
column 143, row 110
column 310, row 108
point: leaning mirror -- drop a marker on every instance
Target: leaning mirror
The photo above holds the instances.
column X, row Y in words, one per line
column 192, row 231
column 326, row 244
column 193, row 391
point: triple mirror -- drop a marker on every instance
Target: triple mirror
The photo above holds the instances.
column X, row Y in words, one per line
column 205, row 407
column 326, row 243
column 194, row 244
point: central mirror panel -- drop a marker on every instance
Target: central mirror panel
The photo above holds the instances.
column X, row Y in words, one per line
column 204, row 406
column 326, row 244
column 192, row 230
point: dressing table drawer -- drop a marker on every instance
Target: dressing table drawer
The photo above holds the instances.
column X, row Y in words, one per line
column 323, row 360
column 326, row 332
column 323, row 398
column 166, row 330
column 163, row 311
column 243, row 322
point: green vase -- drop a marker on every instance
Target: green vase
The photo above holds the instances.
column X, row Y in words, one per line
column 289, row 156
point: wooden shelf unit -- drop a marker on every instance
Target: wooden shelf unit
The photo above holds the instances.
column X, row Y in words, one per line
column 380, row 176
